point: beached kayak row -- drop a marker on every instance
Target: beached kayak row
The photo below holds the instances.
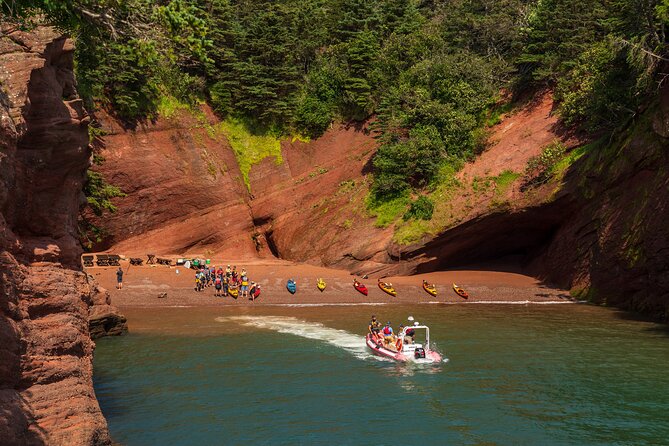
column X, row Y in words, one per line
column 280, row 282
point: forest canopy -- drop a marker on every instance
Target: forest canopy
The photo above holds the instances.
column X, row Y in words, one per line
column 429, row 71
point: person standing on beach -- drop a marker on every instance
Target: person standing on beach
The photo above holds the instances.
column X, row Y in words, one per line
column 218, row 284
column 245, row 284
column 119, row 278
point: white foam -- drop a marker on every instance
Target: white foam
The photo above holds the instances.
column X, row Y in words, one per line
column 345, row 340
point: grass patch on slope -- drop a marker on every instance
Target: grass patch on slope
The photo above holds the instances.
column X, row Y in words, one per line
column 249, row 148
column 388, row 212
column 413, row 230
column 504, row 180
column 169, row 106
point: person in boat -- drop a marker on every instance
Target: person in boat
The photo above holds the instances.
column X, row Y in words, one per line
column 374, row 328
column 388, row 336
column 409, row 333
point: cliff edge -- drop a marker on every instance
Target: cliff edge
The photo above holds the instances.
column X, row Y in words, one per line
column 49, row 308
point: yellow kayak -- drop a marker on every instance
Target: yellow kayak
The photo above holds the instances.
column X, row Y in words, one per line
column 234, row 292
column 321, row 284
column 431, row 289
column 388, row 288
column 460, row 291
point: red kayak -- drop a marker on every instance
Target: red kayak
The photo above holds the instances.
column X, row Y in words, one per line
column 360, row 287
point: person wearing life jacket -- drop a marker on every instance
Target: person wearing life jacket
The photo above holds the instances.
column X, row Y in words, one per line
column 374, row 328
column 387, row 332
column 218, row 284
column 244, row 288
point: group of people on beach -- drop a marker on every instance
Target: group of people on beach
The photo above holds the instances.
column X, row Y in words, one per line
column 384, row 334
column 228, row 282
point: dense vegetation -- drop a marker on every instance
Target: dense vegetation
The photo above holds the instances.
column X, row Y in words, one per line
column 431, row 71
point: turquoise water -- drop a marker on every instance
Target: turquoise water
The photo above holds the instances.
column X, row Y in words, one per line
column 516, row 375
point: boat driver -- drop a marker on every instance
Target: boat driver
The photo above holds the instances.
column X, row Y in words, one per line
column 374, row 327
column 408, row 334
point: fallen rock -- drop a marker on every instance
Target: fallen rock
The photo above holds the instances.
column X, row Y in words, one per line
column 105, row 320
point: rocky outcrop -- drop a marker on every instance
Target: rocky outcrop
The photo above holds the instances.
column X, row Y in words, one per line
column 311, row 208
column 46, row 389
column 614, row 248
column 184, row 191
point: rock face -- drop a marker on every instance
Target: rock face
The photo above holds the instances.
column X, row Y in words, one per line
column 183, row 185
column 46, row 351
column 614, row 247
column 311, row 208
column 185, row 194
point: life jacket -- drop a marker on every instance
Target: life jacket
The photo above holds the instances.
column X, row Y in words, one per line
column 387, row 330
column 245, row 281
column 218, row 281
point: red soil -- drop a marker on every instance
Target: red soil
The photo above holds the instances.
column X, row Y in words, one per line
column 518, row 137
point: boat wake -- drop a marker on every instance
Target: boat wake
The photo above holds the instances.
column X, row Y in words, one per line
column 352, row 343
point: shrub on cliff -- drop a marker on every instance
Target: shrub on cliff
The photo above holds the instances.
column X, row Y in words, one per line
column 421, row 209
column 539, row 168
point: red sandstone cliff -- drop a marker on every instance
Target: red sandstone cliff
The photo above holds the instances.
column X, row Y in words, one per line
column 586, row 230
column 185, row 194
column 49, row 308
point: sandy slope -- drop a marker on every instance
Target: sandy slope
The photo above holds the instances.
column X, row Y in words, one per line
column 142, row 285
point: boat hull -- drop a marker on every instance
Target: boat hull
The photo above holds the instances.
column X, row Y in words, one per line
column 390, row 291
column 379, row 350
column 430, row 291
column 362, row 289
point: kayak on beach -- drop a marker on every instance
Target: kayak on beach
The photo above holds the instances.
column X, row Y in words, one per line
column 233, row 291
column 360, row 287
column 291, row 286
column 403, row 347
column 387, row 287
column 460, row 291
column 431, row 289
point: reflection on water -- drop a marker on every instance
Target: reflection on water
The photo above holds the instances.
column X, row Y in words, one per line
column 516, row 375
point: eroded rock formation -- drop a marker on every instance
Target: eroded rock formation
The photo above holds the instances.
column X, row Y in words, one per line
column 46, row 351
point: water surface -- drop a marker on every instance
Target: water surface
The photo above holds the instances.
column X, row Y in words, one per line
column 552, row 374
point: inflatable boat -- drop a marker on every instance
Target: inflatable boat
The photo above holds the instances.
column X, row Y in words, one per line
column 404, row 347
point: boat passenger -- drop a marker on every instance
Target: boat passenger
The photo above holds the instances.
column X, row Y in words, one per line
column 374, row 328
column 408, row 334
column 388, row 337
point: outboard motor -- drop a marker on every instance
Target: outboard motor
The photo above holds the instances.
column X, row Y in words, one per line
column 419, row 353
